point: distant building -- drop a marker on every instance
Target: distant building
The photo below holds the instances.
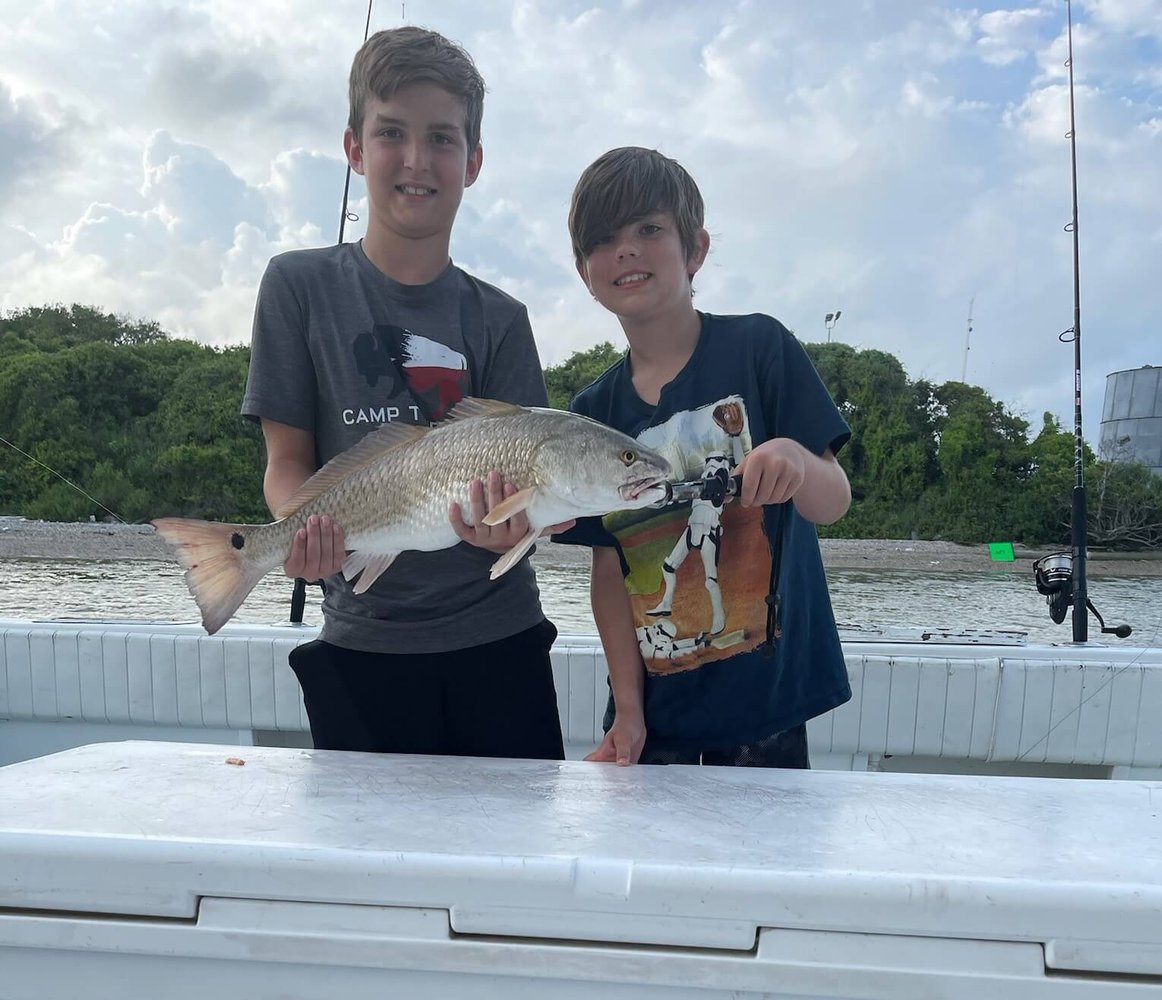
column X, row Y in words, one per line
column 1131, row 419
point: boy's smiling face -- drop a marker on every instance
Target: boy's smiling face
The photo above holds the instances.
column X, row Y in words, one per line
column 413, row 154
column 641, row 271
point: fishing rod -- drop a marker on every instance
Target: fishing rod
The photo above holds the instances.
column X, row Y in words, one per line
column 1080, row 511
column 344, row 214
column 299, row 594
column 1061, row 577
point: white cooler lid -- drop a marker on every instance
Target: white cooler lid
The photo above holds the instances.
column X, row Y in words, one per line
column 694, row 856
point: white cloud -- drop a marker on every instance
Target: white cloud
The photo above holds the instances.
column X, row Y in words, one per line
column 1136, row 18
column 196, row 195
column 922, row 95
column 206, row 85
column 1009, row 35
column 18, row 247
column 305, row 189
column 890, row 160
column 31, row 143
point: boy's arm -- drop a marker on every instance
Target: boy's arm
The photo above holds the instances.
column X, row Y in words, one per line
column 611, row 610
column 318, row 549
column 798, row 462
column 782, row 469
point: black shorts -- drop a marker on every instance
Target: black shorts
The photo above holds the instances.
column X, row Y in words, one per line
column 785, row 749
column 494, row 700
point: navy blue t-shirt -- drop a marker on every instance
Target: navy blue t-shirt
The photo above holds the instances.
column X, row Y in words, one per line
column 698, row 574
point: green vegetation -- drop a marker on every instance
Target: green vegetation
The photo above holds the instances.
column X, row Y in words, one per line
column 573, row 374
column 149, row 425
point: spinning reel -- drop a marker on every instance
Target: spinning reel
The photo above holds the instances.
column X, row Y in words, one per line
column 1053, row 575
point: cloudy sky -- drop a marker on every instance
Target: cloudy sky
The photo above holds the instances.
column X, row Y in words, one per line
column 893, row 159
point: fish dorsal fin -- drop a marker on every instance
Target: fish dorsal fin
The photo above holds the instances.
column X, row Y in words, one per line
column 472, row 407
column 373, row 445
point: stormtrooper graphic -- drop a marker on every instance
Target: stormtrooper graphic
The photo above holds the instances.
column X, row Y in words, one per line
column 704, row 527
column 660, row 642
column 704, row 534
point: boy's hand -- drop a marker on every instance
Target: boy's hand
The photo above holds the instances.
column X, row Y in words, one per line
column 317, row 550
column 624, row 742
column 483, row 496
column 773, row 472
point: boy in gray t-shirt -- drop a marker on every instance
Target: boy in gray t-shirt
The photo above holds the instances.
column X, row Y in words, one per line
column 435, row 657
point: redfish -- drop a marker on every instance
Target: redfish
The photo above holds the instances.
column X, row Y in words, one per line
column 391, row 493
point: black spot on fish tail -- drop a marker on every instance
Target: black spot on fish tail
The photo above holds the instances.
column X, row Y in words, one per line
column 237, row 540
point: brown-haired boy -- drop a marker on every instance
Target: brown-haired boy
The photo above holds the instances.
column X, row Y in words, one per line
column 714, row 615
column 435, row 657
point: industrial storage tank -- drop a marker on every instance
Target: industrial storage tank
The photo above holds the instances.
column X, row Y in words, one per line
column 1131, row 420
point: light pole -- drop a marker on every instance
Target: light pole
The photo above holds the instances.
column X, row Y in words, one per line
column 830, row 320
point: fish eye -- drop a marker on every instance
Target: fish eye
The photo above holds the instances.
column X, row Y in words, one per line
column 628, row 457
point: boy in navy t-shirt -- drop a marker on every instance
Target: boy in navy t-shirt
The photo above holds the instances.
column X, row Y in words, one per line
column 706, row 663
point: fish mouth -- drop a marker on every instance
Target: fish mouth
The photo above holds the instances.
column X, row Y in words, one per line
column 643, row 488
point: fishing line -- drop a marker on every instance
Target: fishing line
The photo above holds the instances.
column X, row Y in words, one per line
column 63, row 479
column 1085, row 701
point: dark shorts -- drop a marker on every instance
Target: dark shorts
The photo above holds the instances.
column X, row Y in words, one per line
column 785, row 749
column 495, row 700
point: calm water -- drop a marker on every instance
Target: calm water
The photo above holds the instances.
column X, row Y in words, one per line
column 32, row 588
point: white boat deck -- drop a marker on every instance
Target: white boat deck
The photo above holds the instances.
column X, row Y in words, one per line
column 922, row 701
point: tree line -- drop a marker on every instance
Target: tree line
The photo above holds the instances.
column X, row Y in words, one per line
column 148, row 425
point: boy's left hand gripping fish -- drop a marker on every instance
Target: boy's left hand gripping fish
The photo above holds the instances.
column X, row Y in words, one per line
column 391, row 493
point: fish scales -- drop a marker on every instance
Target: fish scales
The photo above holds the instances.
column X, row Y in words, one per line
column 410, row 489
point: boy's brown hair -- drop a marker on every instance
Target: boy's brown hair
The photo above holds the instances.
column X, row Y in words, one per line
column 628, row 184
column 399, row 57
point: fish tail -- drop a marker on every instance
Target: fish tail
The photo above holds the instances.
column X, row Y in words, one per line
column 219, row 570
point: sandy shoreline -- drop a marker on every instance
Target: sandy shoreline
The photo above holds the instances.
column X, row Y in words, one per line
column 22, row 539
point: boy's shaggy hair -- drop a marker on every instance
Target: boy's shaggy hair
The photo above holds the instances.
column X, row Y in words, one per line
column 399, row 57
column 628, row 184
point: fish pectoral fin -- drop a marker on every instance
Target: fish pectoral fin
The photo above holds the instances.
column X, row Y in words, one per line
column 368, row 566
column 513, row 505
column 514, row 555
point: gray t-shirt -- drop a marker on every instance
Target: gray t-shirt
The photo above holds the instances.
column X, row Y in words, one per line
column 338, row 349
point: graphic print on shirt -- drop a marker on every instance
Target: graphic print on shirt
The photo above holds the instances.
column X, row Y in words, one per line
column 699, row 572
column 436, row 375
